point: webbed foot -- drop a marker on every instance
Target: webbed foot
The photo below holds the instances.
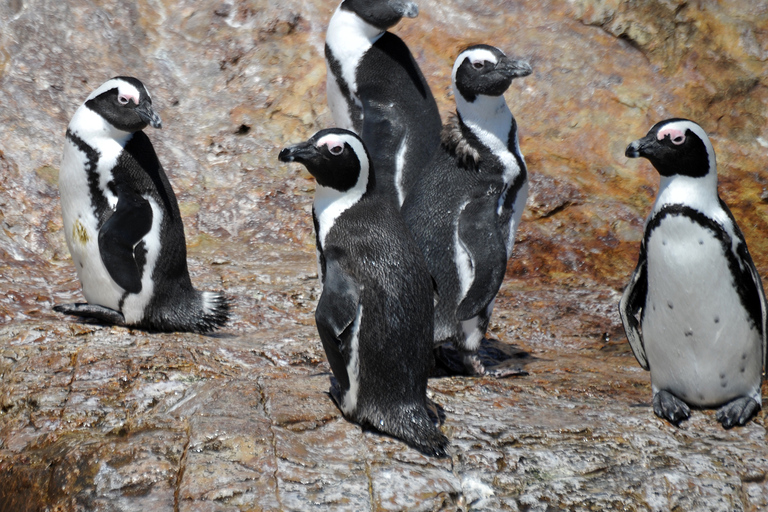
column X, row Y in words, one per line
column 101, row 313
column 737, row 412
column 669, row 407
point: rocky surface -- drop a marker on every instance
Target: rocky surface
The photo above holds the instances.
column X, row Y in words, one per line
column 106, row 418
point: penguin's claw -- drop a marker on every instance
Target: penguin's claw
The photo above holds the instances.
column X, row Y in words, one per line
column 669, row 407
column 737, row 412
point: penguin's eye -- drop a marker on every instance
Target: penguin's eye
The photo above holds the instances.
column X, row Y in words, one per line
column 335, row 149
column 123, row 100
column 678, row 139
column 478, row 64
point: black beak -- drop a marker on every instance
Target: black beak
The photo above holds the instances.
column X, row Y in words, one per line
column 514, row 68
column 639, row 147
column 148, row 115
column 404, row 9
column 303, row 153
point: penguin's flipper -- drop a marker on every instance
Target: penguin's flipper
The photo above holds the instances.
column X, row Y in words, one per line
column 631, row 304
column 382, row 133
column 750, row 286
column 101, row 313
column 483, row 242
column 336, row 312
column 119, row 235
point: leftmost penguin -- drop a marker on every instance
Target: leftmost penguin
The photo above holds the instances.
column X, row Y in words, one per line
column 122, row 221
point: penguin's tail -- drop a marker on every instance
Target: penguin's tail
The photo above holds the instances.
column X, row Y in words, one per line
column 215, row 311
column 415, row 427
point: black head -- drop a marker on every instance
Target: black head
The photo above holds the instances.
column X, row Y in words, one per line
column 125, row 103
column 382, row 14
column 485, row 70
column 336, row 158
column 675, row 147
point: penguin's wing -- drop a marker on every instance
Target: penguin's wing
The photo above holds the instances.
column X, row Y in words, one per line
column 749, row 285
column 337, row 310
column 479, row 235
column 119, row 235
column 631, row 304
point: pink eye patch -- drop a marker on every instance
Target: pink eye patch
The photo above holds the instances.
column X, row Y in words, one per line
column 335, row 146
column 676, row 135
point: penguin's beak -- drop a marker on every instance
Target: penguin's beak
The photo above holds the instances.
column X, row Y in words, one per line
column 303, row 153
column 404, row 9
column 148, row 115
column 640, row 147
column 513, row 68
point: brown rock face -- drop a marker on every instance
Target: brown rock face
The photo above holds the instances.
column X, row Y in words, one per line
column 101, row 418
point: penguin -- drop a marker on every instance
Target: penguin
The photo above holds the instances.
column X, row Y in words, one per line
column 694, row 311
column 376, row 89
column 466, row 206
column 122, row 221
column 374, row 315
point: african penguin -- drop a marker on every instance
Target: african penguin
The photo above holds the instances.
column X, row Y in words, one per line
column 122, row 222
column 376, row 89
column 466, row 205
column 374, row 316
column 694, row 310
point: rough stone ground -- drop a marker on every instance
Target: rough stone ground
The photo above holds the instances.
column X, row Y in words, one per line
column 107, row 419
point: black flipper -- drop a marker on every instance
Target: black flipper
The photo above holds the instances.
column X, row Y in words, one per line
column 118, row 236
column 482, row 239
column 336, row 311
column 106, row 315
column 631, row 305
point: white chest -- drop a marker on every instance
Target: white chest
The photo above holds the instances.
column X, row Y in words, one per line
column 700, row 344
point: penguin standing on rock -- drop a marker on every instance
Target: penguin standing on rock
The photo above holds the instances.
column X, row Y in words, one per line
column 466, row 206
column 694, row 310
column 122, row 222
column 376, row 89
column 374, row 316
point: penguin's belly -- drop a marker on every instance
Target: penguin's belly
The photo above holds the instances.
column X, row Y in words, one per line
column 700, row 342
column 81, row 232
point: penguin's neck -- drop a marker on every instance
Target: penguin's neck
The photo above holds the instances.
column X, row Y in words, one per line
column 330, row 203
column 698, row 193
column 96, row 131
column 349, row 37
column 489, row 118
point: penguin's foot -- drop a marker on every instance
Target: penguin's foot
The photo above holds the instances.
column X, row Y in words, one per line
column 492, row 359
column 100, row 313
column 669, row 407
column 737, row 412
column 435, row 412
column 415, row 426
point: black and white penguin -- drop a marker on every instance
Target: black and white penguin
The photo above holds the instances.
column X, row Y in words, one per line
column 376, row 89
column 466, row 205
column 694, row 310
column 122, row 222
column 374, row 316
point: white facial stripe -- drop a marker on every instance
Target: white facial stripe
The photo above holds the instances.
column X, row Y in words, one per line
column 330, row 203
column 474, row 55
column 123, row 88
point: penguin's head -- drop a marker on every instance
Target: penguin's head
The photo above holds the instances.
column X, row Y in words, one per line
column 336, row 158
column 124, row 103
column 676, row 147
column 485, row 70
column 382, row 14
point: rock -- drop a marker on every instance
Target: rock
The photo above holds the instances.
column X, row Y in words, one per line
column 105, row 418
